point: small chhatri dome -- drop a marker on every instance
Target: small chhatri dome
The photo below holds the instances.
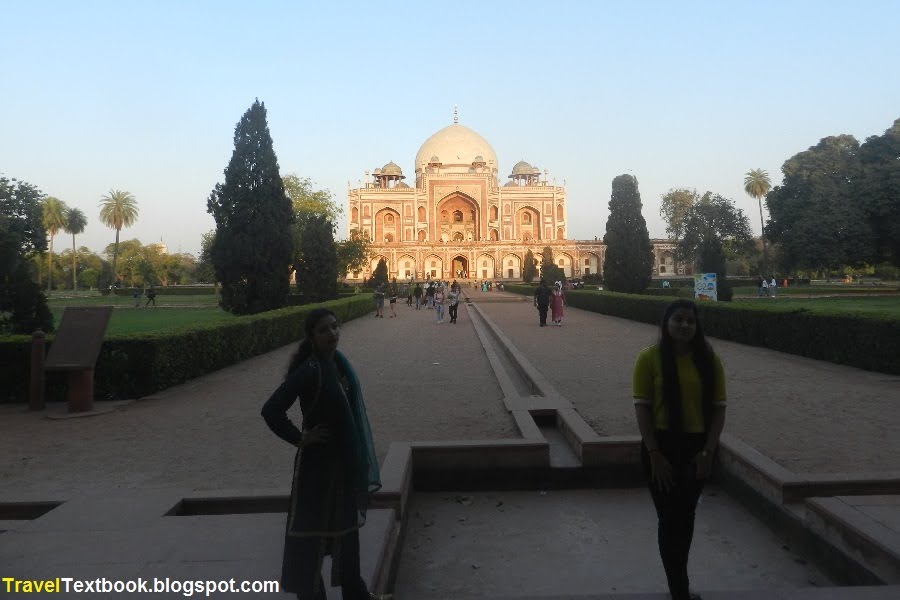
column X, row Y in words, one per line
column 478, row 159
column 376, row 172
column 434, row 159
column 391, row 169
column 522, row 168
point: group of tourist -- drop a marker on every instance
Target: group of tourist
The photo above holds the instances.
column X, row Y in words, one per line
column 767, row 288
column 678, row 388
column 437, row 295
column 553, row 300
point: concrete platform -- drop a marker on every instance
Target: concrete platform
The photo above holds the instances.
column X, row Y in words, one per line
column 582, row 542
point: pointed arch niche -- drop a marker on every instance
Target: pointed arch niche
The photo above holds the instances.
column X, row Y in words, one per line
column 458, row 214
column 387, row 225
column 528, row 224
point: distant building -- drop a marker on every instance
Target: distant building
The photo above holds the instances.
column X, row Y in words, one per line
column 459, row 222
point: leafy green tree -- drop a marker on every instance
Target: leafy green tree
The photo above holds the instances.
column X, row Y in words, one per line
column 76, row 221
column 674, row 206
column 715, row 230
column 205, row 272
column 118, row 209
column 628, row 264
column 305, row 200
column 529, row 269
column 813, row 214
column 380, row 274
column 878, row 192
column 252, row 248
column 54, row 216
column 757, row 184
column 353, row 253
column 317, row 259
column 549, row 271
column 23, row 306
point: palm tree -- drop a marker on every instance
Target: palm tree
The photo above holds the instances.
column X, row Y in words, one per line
column 53, row 215
column 75, row 223
column 118, row 209
column 757, row 185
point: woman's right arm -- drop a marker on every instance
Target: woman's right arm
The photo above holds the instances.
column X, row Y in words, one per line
column 274, row 411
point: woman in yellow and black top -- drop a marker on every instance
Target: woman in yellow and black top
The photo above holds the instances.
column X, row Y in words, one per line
column 679, row 399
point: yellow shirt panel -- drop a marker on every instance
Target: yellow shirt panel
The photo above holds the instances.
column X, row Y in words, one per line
column 647, row 385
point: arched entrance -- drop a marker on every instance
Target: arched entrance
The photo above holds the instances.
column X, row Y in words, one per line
column 460, row 268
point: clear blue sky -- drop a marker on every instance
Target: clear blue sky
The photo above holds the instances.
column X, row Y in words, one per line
column 144, row 96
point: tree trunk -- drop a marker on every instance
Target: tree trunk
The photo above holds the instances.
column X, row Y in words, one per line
column 762, row 236
column 74, row 266
column 50, row 267
column 115, row 257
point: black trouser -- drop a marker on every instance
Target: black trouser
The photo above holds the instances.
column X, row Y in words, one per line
column 542, row 311
column 675, row 508
column 452, row 310
column 312, row 586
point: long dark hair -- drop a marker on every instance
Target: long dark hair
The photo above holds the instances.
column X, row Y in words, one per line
column 305, row 349
column 703, row 356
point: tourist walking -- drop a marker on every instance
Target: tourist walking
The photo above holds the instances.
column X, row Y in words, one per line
column 335, row 468
column 379, row 300
column 557, row 302
column 773, row 287
column 429, row 295
column 765, row 286
column 679, row 399
column 417, row 293
column 393, row 300
column 439, row 296
column 453, row 302
column 151, row 297
column 542, row 301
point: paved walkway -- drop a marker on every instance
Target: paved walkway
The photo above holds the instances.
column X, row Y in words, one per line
column 422, row 381
column 807, row 415
column 425, row 381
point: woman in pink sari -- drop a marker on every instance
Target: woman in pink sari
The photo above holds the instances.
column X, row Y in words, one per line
column 557, row 302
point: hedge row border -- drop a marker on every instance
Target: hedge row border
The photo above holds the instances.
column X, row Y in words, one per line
column 854, row 340
column 136, row 365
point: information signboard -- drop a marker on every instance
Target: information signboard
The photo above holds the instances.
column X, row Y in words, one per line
column 77, row 342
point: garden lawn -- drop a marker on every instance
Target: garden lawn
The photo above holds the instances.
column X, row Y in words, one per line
column 868, row 306
column 171, row 311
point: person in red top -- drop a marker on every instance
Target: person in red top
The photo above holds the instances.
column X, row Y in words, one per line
column 679, row 400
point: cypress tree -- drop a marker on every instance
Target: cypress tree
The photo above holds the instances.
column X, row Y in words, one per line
column 252, row 247
column 380, row 275
column 549, row 271
column 529, row 270
column 316, row 260
column 628, row 263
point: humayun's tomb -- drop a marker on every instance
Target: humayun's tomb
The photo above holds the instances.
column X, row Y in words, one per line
column 459, row 222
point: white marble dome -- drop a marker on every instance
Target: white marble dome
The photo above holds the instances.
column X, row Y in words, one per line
column 457, row 146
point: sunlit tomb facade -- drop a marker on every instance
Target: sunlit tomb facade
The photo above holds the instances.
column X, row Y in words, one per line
column 456, row 220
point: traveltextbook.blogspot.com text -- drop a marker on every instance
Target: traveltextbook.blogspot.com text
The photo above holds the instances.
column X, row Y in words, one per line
column 154, row 585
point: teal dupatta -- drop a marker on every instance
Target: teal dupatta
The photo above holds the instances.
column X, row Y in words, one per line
column 360, row 448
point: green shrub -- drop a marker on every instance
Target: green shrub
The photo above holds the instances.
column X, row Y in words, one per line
column 870, row 343
column 139, row 364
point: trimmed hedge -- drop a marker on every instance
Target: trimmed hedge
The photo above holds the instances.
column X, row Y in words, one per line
column 136, row 365
column 859, row 341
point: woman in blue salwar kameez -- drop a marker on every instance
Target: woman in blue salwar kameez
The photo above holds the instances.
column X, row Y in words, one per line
column 335, row 468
